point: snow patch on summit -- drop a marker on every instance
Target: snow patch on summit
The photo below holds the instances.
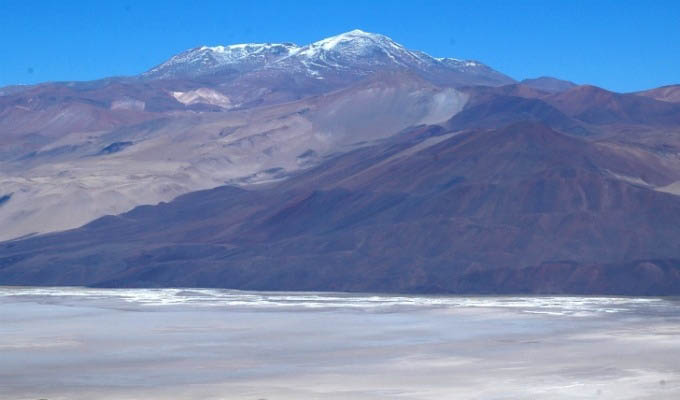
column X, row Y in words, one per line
column 355, row 53
column 355, row 50
column 206, row 60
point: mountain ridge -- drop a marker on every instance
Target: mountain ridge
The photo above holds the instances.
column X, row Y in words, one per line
column 351, row 163
column 355, row 52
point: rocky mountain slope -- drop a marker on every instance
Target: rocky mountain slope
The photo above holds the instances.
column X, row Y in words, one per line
column 549, row 84
column 669, row 93
column 239, row 114
column 518, row 209
column 351, row 163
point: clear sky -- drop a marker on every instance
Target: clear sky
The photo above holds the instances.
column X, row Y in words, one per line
column 619, row 45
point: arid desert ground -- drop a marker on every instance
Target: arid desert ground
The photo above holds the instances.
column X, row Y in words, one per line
column 74, row 343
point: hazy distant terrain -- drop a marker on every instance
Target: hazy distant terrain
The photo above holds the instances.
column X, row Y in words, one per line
column 186, row 344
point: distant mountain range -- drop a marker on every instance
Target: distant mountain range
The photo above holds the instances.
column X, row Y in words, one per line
column 351, row 163
column 348, row 56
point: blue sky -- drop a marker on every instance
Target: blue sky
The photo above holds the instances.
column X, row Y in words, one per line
column 619, row 45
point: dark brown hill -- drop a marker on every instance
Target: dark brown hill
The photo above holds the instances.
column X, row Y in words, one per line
column 594, row 105
column 585, row 111
column 549, row 84
column 669, row 93
column 490, row 109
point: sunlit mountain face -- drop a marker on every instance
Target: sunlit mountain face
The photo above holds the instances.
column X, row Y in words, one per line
column 235, row 114
column 352, row 163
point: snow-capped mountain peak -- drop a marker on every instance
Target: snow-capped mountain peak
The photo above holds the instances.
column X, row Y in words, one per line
column 211, row 59
column 349, row 55
column 356, row 52
column 237, row 51
column 355, row 39
column 358, row 45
